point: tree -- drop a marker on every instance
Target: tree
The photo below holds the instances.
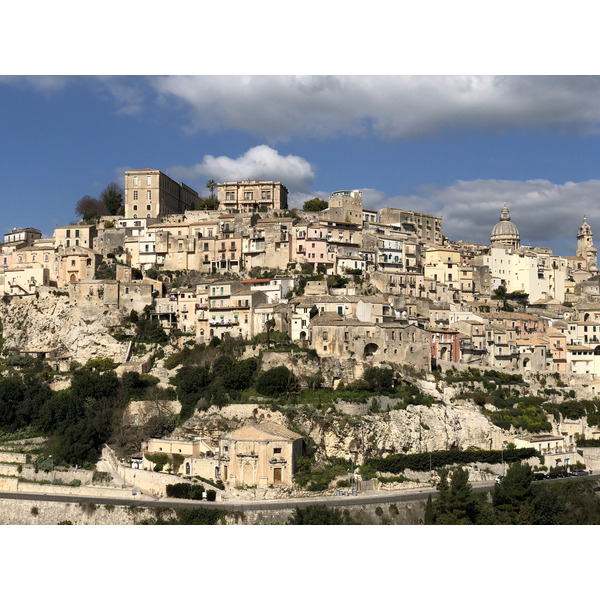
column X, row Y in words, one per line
column 89, row 208
column 379, row 379
column 315, row 205
column 512, row 497
column 208, row 204
column 211, row 184
column 456, row 503
column 429, row 518
column 112, row 197
column 317, row 514
column 269, row 326
column 276, row 382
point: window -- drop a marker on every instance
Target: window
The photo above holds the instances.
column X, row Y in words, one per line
column 149, row 195
column 68, row 233
column 276, row 450
column 266, row 195
column 135, row 181
column 248, row 196
column 148, row 206
column 135, row 195
column 135, row 208
column 149, row 180
column 77, row 233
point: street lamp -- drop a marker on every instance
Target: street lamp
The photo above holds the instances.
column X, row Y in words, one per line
column 503, row 470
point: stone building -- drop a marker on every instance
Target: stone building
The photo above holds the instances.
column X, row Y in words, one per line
column 259, row 454
column 345, row 206
column 150, row 194
column 80, row 235
column 252, row 195
column 22, row 237
column 334, row 335
column 426, row 228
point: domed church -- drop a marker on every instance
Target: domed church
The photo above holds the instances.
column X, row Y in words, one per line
column 505, row 233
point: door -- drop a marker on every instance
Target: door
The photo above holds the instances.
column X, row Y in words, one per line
column 277, row 475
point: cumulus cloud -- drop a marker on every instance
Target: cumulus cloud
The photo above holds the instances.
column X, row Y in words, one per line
column 545, row 213
column 391, row 107
column 260, row 162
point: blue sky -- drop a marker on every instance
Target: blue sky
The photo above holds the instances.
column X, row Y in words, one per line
column 455, row 146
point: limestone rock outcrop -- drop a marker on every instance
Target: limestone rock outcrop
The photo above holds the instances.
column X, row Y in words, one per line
column 54, row 323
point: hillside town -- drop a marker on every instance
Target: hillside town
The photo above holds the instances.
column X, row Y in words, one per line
column 347, row 281
column 356, row 295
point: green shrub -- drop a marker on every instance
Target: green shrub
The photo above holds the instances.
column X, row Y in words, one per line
column 185, row 490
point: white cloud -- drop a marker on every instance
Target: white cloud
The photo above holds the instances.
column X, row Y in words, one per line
column 260, row 162
column 391, row 107
column 544, row 212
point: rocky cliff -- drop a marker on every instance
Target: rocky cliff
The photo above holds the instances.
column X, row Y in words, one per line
column 56, row 323
column 351, row 431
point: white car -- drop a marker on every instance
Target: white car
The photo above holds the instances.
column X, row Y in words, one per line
column 499, row 478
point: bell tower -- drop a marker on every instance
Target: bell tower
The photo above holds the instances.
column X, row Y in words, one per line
column 585, row 246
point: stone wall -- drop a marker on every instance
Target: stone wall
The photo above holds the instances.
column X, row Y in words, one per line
column 13, row 457
column 34, row 512
column 58, row 474
column 42, row 512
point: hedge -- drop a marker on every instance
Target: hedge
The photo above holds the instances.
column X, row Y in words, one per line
column 185, row 490
column 397, row 463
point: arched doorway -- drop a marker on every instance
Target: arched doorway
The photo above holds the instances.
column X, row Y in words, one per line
column 371, row 349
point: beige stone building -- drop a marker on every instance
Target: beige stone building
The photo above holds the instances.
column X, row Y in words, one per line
column 333, row 335
column 20, row 281
column 345, row 206
column 77, row 264
column 78, row 235
column 252, row 195
column 259, row 454
column 150, row 194
column 24, row 237
column 426, row 228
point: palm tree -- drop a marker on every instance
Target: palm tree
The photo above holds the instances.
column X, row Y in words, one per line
column 211, row 184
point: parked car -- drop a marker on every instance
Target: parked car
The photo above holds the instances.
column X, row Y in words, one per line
column 564, row 474
column 579, row 473
column 539, row 476
column 499, row 478
column 552, row 475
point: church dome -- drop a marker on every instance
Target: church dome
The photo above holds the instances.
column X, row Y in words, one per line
column 505, row 233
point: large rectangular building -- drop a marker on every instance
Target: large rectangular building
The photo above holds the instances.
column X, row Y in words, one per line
column 427, row 228
column 150, row 194
column 252, row 195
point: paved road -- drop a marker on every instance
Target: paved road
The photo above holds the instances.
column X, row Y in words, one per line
column 237, row 505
